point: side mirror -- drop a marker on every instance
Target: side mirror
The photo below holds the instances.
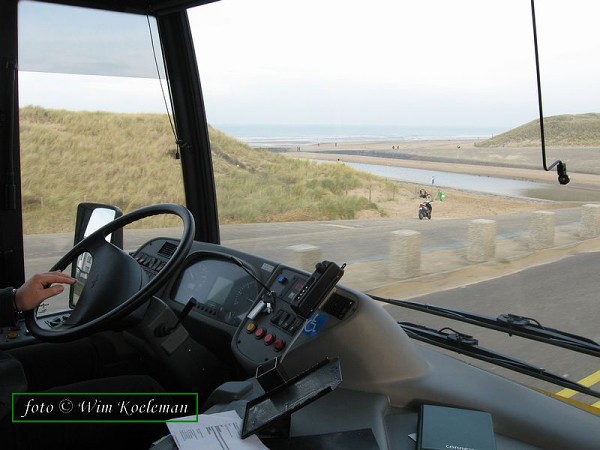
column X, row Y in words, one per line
column 90, row 217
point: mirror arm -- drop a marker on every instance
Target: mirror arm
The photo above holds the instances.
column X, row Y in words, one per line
column 561, row 167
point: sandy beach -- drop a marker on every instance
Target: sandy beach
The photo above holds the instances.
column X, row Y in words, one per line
column 457, row 157
column 581, row 160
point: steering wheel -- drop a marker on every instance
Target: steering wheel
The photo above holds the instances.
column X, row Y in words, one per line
column 116, row 284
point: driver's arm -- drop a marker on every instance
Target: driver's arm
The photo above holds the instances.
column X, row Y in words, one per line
column 33, row 292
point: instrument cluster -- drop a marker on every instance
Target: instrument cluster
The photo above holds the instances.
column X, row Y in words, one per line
column 222, row 288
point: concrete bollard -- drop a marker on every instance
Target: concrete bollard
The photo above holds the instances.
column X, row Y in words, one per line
column 405, row 254
column 482, row 240
column 542, row 230
column 304, row 256
column 590, row 221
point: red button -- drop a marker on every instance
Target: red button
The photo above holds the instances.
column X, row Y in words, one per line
column 269, row 339
column 279, row 345
column 260, row 333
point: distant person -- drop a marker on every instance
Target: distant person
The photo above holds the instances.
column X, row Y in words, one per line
column 432, row 180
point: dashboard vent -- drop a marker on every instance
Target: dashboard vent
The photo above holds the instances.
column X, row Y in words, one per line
column 167, row 249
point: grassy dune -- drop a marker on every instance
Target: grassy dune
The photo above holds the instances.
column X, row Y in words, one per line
column 128, row 160
column 563, row 130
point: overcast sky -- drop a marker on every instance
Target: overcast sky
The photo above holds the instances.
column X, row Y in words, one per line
column 389, row 62
column 395, row 62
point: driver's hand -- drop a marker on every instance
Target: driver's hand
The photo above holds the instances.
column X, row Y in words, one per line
column 39, row 288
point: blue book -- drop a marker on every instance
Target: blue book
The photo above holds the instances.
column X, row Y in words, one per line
column 441, row 428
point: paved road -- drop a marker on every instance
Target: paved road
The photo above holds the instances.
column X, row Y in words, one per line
column 363, row 240
column 341, row 240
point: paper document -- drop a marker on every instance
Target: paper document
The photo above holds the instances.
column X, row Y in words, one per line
column 220, row 431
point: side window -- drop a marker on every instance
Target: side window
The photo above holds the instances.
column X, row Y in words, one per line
column 93, row 121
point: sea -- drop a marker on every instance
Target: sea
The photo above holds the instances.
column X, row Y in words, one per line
column 274, row 136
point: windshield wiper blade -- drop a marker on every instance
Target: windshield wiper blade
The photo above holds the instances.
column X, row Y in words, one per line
column 507, row 323
column 468, row 345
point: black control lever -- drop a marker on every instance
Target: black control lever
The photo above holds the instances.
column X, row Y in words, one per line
column 162, row 330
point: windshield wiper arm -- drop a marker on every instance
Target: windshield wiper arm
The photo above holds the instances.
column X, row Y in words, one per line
column 508, row 323
column 468, row 345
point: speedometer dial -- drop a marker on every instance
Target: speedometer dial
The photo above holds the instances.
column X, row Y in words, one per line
column 242, row 297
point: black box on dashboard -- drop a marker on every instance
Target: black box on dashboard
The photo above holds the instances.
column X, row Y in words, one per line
column 443, row 428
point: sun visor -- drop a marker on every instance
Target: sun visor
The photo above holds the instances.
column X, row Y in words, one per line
column 75, row 40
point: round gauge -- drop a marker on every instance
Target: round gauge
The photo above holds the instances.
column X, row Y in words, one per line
column 242, row 297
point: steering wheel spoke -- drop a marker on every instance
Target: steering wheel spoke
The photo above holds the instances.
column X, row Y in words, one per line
column 115, row 284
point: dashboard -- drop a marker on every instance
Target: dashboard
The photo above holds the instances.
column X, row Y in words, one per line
column 225, row 283
column 228, row 286
column 248, row 297
column 246, row 305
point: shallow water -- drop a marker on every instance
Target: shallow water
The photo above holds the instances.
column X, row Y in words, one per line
column 433, row 180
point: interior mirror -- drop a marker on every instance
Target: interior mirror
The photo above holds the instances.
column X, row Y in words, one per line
column 91, row 217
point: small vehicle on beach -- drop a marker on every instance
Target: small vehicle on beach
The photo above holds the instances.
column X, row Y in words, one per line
column 425, row 210
column 326, row 354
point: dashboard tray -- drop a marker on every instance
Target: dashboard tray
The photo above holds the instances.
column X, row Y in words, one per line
column 299, row 391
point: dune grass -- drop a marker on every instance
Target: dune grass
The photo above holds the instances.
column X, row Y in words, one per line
column 563, row 130
column 128, row 160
